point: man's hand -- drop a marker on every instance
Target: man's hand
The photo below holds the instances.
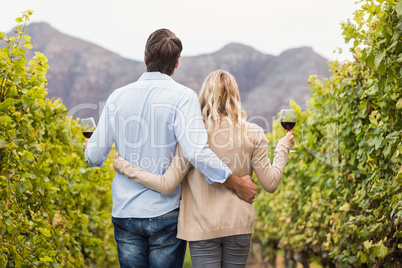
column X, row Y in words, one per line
column 244, row 187
column 85, row 144
column 247, row 190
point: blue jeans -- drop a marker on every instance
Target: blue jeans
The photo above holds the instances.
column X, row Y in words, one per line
column 149, row 242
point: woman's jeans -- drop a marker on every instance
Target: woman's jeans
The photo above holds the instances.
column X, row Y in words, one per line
column 229, row 251
column 149, row 242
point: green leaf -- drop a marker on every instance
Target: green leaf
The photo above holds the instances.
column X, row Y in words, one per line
column 379, row 58
column 399, row 59
column 352, row 259
column 22, row 188
column 45, row 232
column 374, row 119
column 398, row 234
column 345, row 207
column 372, row 141
column 28, row 46
column 9, row 222
column 370, row 60
column 393, row 46
column 399, row 103
column 378, row 143
column 362, row 257
column 364, row 233
column 7, row 104
column 373, row 90
column 387, row 150
column 46, row 258
column 380, row 250
column 398, row 9
column 399, row 26
column 367, row 244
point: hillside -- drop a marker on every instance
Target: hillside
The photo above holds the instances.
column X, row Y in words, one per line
column 83, row 74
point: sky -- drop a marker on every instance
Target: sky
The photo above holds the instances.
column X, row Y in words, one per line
column 204, row 26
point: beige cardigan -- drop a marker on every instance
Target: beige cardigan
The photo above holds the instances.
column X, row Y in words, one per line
column 211, row 210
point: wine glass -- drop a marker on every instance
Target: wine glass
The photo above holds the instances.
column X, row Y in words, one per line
column 288, row 120
column 88, row 127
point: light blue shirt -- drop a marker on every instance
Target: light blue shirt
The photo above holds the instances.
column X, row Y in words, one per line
column 145, row 120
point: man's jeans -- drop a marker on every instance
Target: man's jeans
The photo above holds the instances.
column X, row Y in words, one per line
column 149, row 242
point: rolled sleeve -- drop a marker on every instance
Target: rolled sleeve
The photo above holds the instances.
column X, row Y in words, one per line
column 101, row 141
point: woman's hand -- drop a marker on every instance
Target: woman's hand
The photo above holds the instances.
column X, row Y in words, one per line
column 116, row 162
column 85, row 144
column 289, row 138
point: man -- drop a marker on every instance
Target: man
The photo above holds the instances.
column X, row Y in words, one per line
column 145, row 120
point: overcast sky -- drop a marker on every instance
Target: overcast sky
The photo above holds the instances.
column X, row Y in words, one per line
column 204, row 26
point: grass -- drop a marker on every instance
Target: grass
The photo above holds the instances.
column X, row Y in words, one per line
column 187, row 259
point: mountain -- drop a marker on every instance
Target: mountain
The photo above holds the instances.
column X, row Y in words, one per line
column 79, row 72
column 83, row 74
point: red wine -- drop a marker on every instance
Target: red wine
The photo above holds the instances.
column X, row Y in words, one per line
column 288, row 125
column 87, row 134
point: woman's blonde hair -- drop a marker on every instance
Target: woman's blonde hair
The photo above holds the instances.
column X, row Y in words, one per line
column 219, row 96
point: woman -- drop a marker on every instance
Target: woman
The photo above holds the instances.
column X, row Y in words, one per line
column 217, row 224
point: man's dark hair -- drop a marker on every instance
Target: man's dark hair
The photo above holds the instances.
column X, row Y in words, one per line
column 162, row 50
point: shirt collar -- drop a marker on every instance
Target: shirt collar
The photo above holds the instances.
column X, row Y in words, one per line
column 155, row 76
